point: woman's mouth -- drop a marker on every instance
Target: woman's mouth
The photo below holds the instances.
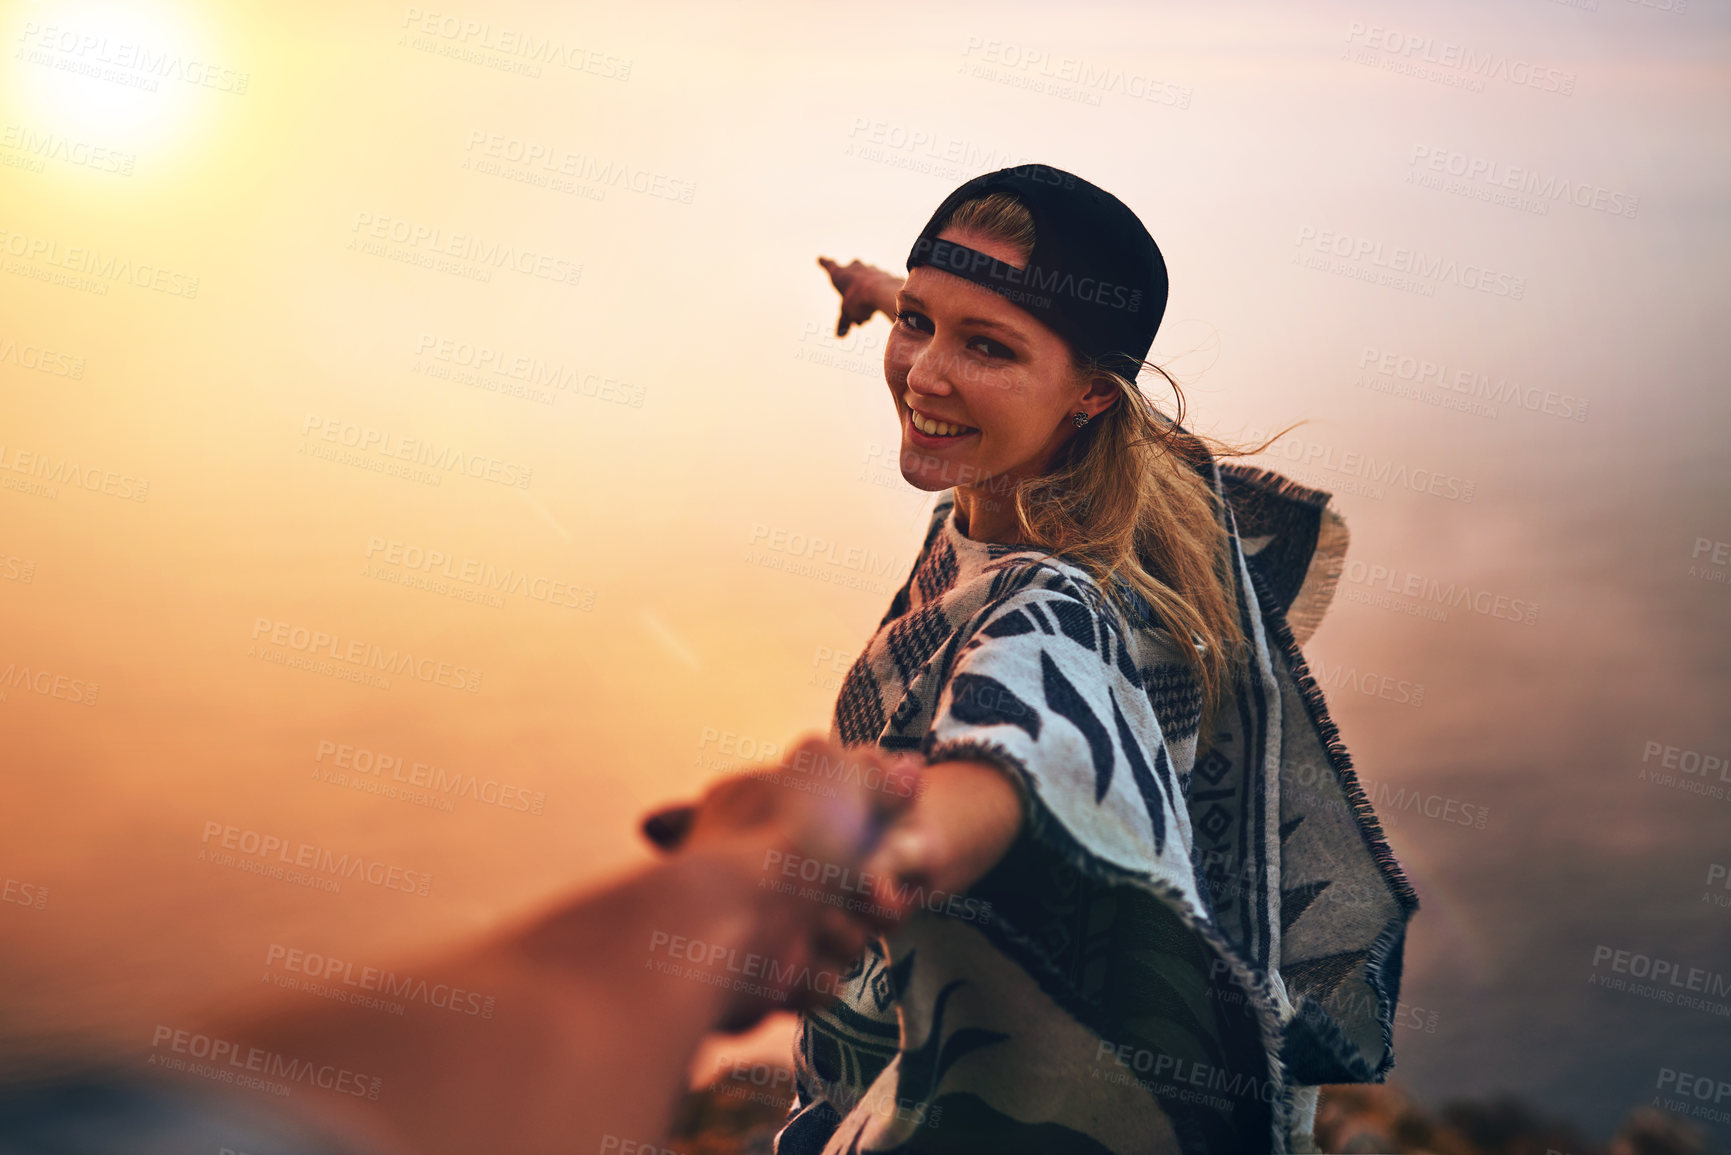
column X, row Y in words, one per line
column 937, row 430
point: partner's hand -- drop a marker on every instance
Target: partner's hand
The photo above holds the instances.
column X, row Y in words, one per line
column 865, row 289
column 795, row 836
column 824, row 799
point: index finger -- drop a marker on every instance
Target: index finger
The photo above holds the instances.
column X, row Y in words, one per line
column 837, row 273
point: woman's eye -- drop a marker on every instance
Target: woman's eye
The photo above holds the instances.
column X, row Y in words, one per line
column 920, row 323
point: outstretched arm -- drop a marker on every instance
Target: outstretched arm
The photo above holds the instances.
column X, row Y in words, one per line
column 602, row 1001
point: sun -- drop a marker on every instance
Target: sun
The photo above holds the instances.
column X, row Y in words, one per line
column 124, row 76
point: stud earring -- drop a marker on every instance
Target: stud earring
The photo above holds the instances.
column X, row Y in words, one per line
column 1080, row 419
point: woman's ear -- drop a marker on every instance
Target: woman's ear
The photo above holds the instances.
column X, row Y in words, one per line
column 1102, row 393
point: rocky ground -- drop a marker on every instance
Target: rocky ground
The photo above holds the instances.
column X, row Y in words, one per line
column 738, row 1119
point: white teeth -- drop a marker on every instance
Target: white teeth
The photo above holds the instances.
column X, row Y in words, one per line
column 934, row 428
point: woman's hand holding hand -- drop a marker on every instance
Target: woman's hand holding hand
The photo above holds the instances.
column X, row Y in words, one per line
column 865, row 289
column 940, row 828
column 824, row 801
column 965, row 819
column 794, row 839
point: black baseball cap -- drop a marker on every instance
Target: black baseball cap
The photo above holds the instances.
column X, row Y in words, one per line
column 1095, row 277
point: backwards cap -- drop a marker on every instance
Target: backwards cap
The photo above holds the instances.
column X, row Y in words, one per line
column 1095, row 277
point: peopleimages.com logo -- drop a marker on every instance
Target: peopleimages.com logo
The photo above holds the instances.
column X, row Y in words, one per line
column 1365, row 258
column 306, row 863
column 360, row 656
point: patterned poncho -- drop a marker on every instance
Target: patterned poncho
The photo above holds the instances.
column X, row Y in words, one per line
column 1176, row 951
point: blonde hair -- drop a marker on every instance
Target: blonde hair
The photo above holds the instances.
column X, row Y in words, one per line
column 1128, row 502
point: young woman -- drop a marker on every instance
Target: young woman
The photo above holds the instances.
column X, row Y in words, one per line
column 1153, row 909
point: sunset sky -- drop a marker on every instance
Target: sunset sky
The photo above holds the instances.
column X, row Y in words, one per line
column 266, row 271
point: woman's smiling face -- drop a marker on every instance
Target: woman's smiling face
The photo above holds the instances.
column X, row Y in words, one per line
column 984, row 391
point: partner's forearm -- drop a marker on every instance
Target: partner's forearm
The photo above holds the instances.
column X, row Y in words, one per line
column 588, row 1036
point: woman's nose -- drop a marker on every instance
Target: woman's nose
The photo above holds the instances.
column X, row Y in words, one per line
column 930, row 371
